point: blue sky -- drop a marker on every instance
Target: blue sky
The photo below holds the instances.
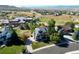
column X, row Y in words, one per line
column 38, row 2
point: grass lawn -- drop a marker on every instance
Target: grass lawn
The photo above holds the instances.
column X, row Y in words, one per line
column 11, row 49
column 36, row 45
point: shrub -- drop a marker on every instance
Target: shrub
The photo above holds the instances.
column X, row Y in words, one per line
column 54, row 38
column 32, row 26
column 71, row 24
column 51, row 26
column 76, row 35
column 76, row 22
column 76, row 29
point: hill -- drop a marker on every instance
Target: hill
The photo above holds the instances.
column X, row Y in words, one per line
column 9, row 8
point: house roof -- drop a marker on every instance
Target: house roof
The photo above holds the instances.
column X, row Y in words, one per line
column 22, row 19
column 4, row 21
column 41, row 29
column 75, row 19
column 18, row 19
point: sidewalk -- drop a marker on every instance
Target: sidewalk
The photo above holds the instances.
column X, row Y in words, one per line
column 29, row 48
column 28, row 45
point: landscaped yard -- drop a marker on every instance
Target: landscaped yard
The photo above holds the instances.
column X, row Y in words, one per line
column 36, row 45
column 22, row 34
column 11, row 49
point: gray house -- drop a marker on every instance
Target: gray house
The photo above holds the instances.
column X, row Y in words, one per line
column 22, row 19
column 4, row 21
column 39, row 33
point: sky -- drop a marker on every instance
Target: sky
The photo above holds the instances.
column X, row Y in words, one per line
column 21, row 3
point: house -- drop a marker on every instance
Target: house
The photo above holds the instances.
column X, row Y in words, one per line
column 4, row 21
column 75, row 19
column 22, row 19
column 76, row 25
column 14, row 23
column 65, row 30
column 40, row 33
column 5, row 35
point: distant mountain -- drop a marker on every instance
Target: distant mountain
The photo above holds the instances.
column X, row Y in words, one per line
column 24, row 8
column 9, row 8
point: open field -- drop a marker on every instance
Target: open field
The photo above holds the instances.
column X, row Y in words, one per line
column 60, row 20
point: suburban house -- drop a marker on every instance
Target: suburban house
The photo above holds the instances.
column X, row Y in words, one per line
column 16, row 21
column 77, row 26
column 39, row 33
column 4, row 21
column 22, row 19
column 76, row 20
column 65, row 30
column 5, row 35
column 56, row 14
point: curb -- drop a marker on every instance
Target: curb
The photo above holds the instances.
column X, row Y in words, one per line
column 48, row 46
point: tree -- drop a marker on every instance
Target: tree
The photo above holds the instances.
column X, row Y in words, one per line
column 32, row 26
column 51, row 26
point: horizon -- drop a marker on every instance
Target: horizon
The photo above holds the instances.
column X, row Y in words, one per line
column 46, row 6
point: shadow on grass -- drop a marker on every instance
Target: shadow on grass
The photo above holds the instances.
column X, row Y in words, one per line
column 15, row 40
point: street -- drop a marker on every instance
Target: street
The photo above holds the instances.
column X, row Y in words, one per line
column 59, row 50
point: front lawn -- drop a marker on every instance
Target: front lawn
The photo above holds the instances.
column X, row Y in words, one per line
column 11, row 49
column 36, row 45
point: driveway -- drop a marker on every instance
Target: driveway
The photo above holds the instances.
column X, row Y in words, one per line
column 59, row 50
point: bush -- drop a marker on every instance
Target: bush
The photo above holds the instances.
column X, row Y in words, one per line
column 76, row 35
column 51, row 26
column 76, row 29
column 54, row 38
column 32, row 26
column 71, row 24
column 76, row 22
column 36, row 45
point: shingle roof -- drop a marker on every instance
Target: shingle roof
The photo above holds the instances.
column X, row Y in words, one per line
column 22, row 19
column 4, row 21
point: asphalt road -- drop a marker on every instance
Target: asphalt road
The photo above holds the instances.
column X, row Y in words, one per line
column 59, row 50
